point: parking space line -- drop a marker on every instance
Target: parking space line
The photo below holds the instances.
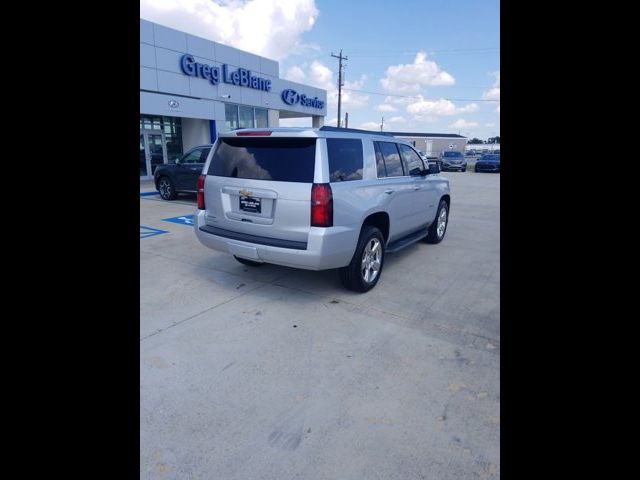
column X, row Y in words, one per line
column 146, row 232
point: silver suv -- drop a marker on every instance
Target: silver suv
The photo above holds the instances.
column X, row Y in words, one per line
column 319, row 199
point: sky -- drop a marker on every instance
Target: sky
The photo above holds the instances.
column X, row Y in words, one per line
column 427, row 66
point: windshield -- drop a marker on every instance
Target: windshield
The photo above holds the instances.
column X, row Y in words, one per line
column 452, row 154
column 492, row 158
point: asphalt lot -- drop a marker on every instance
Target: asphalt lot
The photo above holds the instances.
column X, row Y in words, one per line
column 277, row 373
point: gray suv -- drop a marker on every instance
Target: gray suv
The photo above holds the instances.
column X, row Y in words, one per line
column 319, row 199
column 451, row 160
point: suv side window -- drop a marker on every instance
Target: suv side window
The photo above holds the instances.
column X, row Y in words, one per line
column 345, row 159
column 412, row 161
column 391, row 158
column 382, row 170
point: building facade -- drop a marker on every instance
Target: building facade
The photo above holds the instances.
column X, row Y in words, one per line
column 433, row 144
column 192, row 88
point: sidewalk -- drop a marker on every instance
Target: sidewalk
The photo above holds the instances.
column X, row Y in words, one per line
column 147, row 187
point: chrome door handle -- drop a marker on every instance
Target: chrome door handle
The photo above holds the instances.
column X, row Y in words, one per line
column 388, row 191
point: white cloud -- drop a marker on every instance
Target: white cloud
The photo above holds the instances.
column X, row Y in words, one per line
column 429, row 110
column 462, row 123
column 397, row 120
column 413, row 77
column 321, row 76
column 270, row 28
column 494, row 92
column 400, row 100
column 490, row 125
column 295, row 74
column 385, row 107
column 472, row 107
column 370, row 126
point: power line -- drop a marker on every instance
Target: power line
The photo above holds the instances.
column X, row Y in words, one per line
column 459, row 51
column 418, row 98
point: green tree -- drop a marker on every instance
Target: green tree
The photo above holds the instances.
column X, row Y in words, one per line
column 474, row 141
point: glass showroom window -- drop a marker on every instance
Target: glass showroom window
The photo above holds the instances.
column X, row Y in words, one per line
column 173, row 137
column 231, row 116
column 172, row 128
column 262, row 118
column 240, row 116
column 246, row 117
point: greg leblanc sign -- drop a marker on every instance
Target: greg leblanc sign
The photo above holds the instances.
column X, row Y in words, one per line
column 242, row 78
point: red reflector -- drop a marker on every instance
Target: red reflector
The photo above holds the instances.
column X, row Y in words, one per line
column 321, row 205
column 253, row 134
column 200, row 190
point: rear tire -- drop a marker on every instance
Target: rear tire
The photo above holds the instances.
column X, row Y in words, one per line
column 439, row 227
column 245, row 261
column 365, row 269
column 166, row 188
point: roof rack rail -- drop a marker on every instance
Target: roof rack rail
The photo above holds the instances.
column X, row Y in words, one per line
column 352, row 130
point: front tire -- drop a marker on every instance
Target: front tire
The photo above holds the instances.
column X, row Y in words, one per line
column 439, row 227
column 364, row 271
column 167, row 189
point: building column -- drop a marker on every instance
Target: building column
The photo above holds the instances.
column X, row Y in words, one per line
column 317, row 121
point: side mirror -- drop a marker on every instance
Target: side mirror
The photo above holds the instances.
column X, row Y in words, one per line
column 434, row 168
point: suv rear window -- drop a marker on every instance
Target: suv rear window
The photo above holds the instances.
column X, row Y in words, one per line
column 276, row 159
column 345, row 159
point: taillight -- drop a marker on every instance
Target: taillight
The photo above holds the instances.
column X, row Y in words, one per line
column 200, row 190
column 321, row 205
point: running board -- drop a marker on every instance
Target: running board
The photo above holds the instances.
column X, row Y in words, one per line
column 406, row 241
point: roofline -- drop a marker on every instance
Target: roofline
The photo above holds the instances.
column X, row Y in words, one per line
column 432, row 135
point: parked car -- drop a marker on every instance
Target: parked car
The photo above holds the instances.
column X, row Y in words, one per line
column 318, row 199
column 488, row 163
column 451, row 160
column 470, row 153
column 182, row 176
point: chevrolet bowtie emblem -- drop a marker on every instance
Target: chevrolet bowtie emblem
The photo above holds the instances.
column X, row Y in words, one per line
column 245, row 193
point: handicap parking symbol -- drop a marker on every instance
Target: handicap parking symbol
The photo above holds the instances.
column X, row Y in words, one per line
column 183, row 220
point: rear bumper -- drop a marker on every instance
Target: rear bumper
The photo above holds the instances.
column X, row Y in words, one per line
column 454, row 167
column 326, row 248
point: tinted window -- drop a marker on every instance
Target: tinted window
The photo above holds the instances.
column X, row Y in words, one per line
column 345, row 159
column 382, row 171
column 277, row 159
column 193, row 156
column 391, row 159
column 413, row 163
column 452, row 154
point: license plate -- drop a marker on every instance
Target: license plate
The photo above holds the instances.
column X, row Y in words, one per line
column 250, row 204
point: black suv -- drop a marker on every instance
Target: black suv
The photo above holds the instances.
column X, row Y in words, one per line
column 182, row 176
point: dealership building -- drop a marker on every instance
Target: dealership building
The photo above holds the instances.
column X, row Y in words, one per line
column 192, row 88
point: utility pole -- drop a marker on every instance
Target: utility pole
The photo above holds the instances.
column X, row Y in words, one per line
column 346, row 120
column 382, row 124
column 340, row 81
